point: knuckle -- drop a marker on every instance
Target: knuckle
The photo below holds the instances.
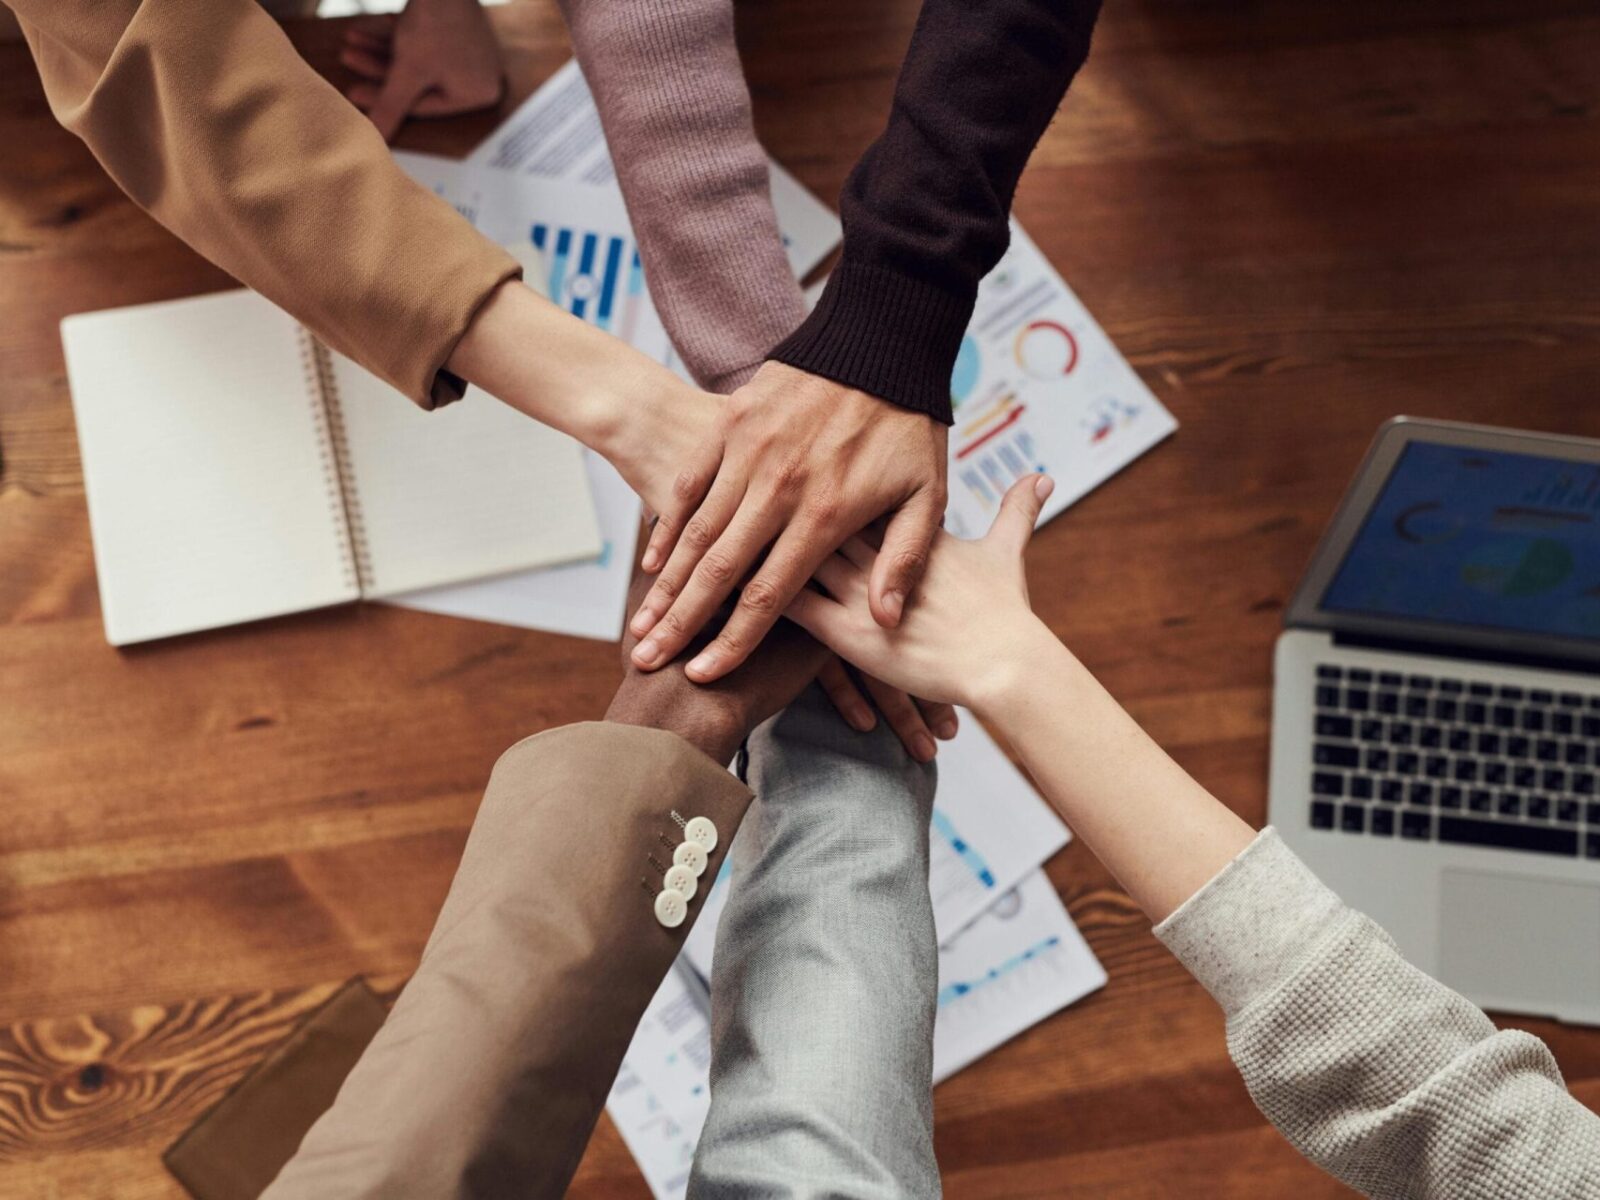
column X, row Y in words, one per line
column 825, row 511
column 664, row 592
column 791, row 476
column 687, row 485
column 698, row 533
column 718, row 567
column 909, row 561
column 761, row 598
column 671, row 625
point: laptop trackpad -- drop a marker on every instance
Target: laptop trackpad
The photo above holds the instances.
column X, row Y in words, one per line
column 1520, row 939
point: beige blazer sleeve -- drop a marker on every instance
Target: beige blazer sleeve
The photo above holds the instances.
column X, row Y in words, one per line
column 206, row 116
column 491, row 1071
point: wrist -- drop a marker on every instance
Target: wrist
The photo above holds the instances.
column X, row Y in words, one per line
column 705, row 727
column 1028, row 665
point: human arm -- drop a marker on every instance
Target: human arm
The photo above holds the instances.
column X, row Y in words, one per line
column 1374, row 1071
column 491, row 1070
column 925, row 218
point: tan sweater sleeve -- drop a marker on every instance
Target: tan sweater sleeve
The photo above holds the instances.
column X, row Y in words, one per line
column 207, row 117
column 491, row 1071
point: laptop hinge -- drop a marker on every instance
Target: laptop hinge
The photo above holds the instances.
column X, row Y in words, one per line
column 1439, row 650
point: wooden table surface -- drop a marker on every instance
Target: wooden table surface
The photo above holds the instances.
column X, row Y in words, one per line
column 1295, row 220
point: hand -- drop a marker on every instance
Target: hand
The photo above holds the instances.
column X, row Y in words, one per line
column 807, row 462
column 967, row 631
column 915, row 722
column 438, row 58
column 716, row 718
column 594, row 387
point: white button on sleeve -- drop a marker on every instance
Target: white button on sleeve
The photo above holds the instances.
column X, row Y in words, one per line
column 701, row 830
column 682, row 881
column 691, row 855
column 671, row 908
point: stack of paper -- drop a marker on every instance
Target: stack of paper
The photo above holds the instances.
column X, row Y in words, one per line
column 1009, row 956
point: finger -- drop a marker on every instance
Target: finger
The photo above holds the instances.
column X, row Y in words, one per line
column 858, row 552
column 373, row 29
column 368, row 64
column 941, row 718
column 846, row 697
column 903, row 558
column 400, row 92
column 699, row 532
column 901, row 713
column 761, row 601
column 715, row 577
column 1019, row 510
column 826, row 620
column 842, row 578
column 688, row 490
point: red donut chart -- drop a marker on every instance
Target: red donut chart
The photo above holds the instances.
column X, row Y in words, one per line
column 1045, row 349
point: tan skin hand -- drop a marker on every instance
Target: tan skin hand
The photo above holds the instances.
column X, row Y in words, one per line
column 800, row 465
column 438, row 58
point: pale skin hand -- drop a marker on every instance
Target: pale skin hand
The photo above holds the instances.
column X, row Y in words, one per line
column 596, row 388
column 438, row 58
column 799, row 464
column 1158, row 831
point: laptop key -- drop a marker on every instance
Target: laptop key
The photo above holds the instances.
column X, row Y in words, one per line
column 1479, row 689
column 1377, row 760
column 1383, row 822
column 1417, row 826
column 1554, row 779
column 1327, row 783
column 1480, row 800
column 1494, row 772
column 1390, row 792
column 1360, row 675
column 1327, row 696
column 1548, row 750
column 1577, row 754
column 1437, row 766
column 1450, row 796
column 1450, row 686
column 1541, row 696
column 1524, row 776
column 1370, row 729
column 1328, row 672
column 1330, row 754
column 1475, row 712
column 1567, row 810
column 1353, row 818
column 1388, row 703
column 1504, row 715
column 1331, row 725
column 1533, row 720
column 1539, row 808
column 1405, row 763
column 1420, row 794
column 1459, row 740
column 1510, row 804
column 1590, row 725
column 1545, row 839
column 1507, row 692
column 1430, row 737
column 1591, row 813
column 1389, row 679
column 1400, row 733
column 1358, row 700
column 1571, row 700
column 1583, row 783
column 1489, row 743
column 1361, row 787
column 1321, row 815
column 1416, row 705
column 1518, row 746
column 1591, row 845
column 1466, row 770
column 1563, row 723
column 1445, row 709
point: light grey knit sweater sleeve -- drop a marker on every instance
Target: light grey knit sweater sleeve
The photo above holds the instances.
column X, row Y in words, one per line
column 1376, row 1072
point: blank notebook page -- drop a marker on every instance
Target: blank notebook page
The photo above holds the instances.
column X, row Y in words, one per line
column 207, row 490
column 471, row 489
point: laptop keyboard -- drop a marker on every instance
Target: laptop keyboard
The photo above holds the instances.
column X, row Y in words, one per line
column 1451, row 760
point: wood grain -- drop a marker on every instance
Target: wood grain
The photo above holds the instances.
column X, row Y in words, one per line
column 1295, row 220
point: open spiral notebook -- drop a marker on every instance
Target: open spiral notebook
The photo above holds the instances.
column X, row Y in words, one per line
column 237, row 469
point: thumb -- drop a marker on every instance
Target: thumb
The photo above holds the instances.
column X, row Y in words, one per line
column 1020, row 509
column 395, row 100
column 903, row 557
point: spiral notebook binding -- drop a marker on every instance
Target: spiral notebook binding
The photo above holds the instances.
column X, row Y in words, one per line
column 337, row 467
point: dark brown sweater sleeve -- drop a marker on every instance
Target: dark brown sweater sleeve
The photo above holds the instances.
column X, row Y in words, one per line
column 926, row 209
column 204, row 114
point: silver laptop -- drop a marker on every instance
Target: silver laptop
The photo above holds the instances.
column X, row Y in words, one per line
column 1436, row 717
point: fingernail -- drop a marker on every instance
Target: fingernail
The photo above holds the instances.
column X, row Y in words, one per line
column 703, row 664
column 642, row 621
column 646, row 653
column 861, row 720
column 946, row 728
column 1043, row 486
column 893, row 602
column 922, row 746
column 648, row 563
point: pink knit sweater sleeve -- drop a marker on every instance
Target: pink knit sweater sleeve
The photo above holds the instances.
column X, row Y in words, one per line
column 672, row 97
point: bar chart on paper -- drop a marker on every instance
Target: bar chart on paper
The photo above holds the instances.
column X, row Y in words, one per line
column 595, row 276
column 1038, row 386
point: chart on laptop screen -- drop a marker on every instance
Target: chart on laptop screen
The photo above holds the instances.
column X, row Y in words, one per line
column 1481, row 538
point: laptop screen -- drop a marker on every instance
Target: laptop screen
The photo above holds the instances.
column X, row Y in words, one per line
column 1483, row 538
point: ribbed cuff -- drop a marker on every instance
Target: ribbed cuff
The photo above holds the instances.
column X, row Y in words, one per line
column 1250, row 927
column 884, row 333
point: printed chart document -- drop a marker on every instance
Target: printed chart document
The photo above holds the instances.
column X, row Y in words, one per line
column 1015, row 961
column 1038, row 386
column 555, row 134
